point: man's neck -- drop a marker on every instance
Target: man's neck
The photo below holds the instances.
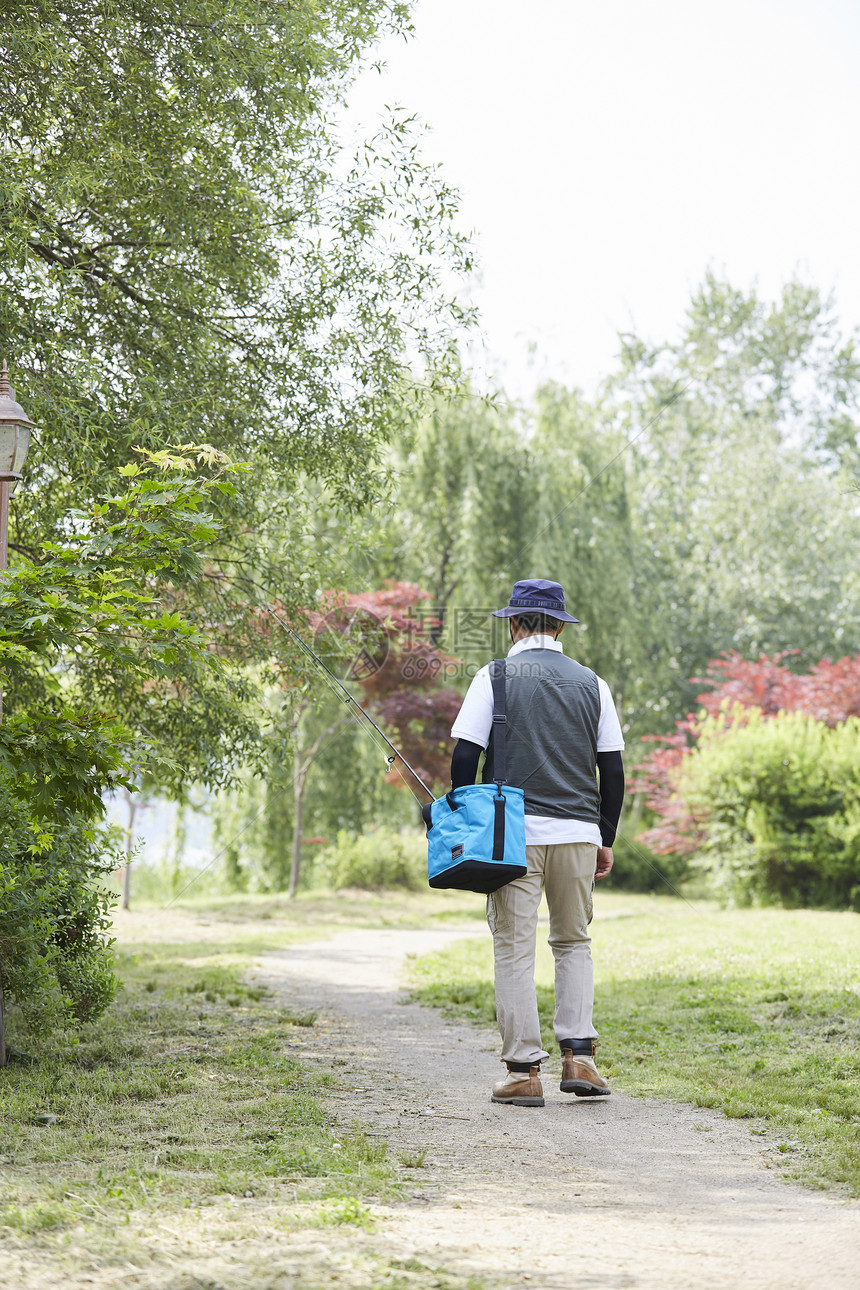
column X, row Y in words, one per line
column 524, row 636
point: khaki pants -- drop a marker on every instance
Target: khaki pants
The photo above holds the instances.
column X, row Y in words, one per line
column 565, row 871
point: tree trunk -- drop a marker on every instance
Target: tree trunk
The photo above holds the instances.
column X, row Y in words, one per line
column 129, row 846
column 299, row 778
column 301, row 766
column 443, row 594
column 2, row 1027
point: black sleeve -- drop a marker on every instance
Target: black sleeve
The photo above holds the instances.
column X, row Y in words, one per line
column 464, row 763
column 610, row 768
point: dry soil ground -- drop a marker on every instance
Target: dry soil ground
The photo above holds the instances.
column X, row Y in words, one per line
column 618, row 1192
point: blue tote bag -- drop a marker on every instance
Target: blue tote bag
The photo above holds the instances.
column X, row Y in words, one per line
column 476, row 835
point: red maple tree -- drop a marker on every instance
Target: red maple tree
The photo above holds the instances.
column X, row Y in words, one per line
column 829, row 692
column 384, row 643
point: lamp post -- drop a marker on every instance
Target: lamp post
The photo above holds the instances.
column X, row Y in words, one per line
column 15, row 427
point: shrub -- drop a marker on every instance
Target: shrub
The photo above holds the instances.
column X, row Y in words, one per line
column 375, row 860
column 55, row 957
column 777, row 803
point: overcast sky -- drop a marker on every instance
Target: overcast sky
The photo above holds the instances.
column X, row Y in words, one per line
column 607, row 153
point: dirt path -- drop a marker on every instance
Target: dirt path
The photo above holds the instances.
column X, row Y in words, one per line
column 610, row 1193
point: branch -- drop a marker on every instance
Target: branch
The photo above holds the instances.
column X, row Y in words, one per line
column 318, row 743
column 311, row 753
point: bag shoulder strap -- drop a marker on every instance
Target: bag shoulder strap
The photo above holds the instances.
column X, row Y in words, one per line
column 497, row 676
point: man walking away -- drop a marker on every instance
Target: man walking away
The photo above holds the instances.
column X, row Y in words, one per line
column 562, row 732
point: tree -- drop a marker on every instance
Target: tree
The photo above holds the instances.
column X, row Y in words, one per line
column 648, row 501
column 345, row 789
column 459, row 502
column 584, row 534
column 188, row 254
column 828, row 692
column 91, row 643
column 743, row 525
column 401, row 671
column 749, row 366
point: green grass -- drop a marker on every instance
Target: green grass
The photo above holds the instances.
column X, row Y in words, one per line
column 180, row 1093
column 318, row 912
column 753, row 1012
column 184, row 1111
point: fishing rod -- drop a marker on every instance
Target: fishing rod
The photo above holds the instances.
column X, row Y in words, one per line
column 390, row 760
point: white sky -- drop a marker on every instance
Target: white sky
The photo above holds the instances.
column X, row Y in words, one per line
column 608, row 152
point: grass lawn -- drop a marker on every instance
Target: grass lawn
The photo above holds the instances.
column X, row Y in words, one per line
column 179, row 1132
column 755, row 1012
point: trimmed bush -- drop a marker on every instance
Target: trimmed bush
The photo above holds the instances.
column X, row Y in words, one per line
column 777, row 803
column 375, row 860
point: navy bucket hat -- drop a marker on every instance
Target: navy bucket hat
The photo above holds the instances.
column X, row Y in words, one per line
column 536, row 596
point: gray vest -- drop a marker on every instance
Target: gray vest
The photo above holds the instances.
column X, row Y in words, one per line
column 553, row 707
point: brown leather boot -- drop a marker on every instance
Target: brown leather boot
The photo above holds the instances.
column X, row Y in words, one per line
column 520, row 1088
column 579, row 1074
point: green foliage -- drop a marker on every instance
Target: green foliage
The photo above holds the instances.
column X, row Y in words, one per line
column 97, row 656
column 55, row 959
column 585, row 532
column 778, row 804
column 98, row 627
column 346, row 789
column 187, row 250
column 463, row 474
column 380, row 858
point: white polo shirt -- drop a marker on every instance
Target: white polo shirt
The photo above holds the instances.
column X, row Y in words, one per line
column 475, row 721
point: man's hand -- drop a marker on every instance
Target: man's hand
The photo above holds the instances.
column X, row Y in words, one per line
column 604, row 862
